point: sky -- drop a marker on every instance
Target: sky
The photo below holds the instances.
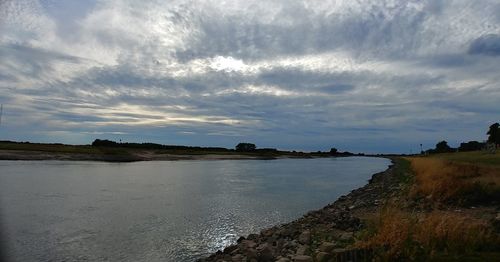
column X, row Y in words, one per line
column 364, row 76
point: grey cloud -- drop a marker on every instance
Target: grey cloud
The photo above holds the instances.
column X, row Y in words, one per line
column 31, row 61
column 449, row 60
column 121, row 76
column 27, row 53
column 419, row 84
column 7, row 77
column 301, row 80
column 341, row 82
column 335, row 88
column 436, row 6
column 79, row 118
column 486, row 45
column 67, row 14
column 376, row 30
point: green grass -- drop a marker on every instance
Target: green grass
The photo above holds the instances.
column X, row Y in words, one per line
column 402, row 170
column 475, row 157
column 85, row 149
column 60, row 148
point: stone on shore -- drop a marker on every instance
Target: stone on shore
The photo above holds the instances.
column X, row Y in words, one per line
column 327, row 247
column 323, row 257
column 248, row 243
column 305, row 237
column 230, row 249
column 302, row 250
column 302, row 259
column 265, row 253
column 346, row 236
column 237, row 258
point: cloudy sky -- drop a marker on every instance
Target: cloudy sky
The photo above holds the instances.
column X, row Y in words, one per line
column 363, row 76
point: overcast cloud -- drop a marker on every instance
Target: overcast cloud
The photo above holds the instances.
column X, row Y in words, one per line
column 364, row 76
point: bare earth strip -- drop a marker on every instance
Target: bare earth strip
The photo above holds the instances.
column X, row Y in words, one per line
column 142, row 155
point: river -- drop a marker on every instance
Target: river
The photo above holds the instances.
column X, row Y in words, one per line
column 160, row 210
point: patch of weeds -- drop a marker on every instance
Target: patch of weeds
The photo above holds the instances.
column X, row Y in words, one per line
column 399, row 235
column 478, row 193
column 403, row 170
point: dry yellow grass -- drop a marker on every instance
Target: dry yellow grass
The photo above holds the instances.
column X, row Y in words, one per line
column 442, row 180
column 396, row 234
column 441, row 230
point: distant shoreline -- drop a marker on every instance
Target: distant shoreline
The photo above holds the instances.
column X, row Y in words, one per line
column 38, row 151
column 143, row 155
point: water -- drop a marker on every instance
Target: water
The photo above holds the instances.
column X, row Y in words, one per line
column 160, row 211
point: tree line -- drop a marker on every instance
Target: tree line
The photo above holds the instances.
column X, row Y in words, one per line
column 241, row 147
column 110, row 143
column 493, row 139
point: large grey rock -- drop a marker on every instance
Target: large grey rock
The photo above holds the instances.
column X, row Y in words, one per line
column 346, row 236
column 237, row 258
column 252, row 237
column 305, row 237
column 230, row 249
column 323, row 257
column 302, row 259
column 251, row 253
column 248, row 243
column 302, row 250
column 265, row 253
column 327, row 247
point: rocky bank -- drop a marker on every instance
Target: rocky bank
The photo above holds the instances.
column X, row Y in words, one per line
column 321, row 235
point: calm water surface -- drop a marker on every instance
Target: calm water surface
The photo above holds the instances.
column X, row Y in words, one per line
column 160, row 211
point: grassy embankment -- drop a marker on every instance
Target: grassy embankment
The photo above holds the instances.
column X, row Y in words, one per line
column 448, row 211
column 60, row 148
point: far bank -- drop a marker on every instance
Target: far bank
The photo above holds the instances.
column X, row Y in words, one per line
column 110, row 151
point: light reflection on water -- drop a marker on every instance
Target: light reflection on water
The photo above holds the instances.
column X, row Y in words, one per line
column 160, row 211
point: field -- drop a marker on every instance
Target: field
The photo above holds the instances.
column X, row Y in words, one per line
column 448, row 213
column 480, row 158
column 397, row 234
column 460, row 178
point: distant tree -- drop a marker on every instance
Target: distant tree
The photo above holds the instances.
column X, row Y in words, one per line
column 494, row 134
column 105, row 142
column 333, row 151
column 470, row 146
column 245, row 147
column 442, row 147
column 267, row 150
